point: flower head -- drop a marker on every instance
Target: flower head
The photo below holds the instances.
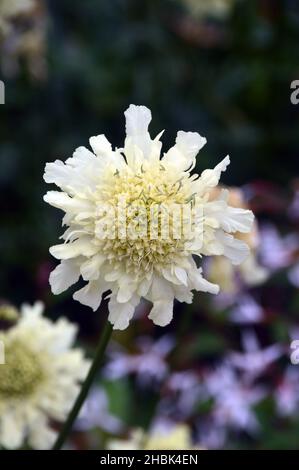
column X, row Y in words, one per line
column 39, row 379
column 135, row 221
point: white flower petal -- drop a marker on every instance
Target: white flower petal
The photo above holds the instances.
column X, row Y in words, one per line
column 57, row 172
column 76, row 174
column 66, row 203
column 160, row 289
column 121, row 314
column 81, row 158
column 162, row 312
column 79, row 173
column 234, row 249
column 181, row 275
column 100, row 145
column 170, row 276
column 91, row 294
column 182, row 294
column 162, row 296
column 42, row 437
column 210, row 178
column 90, row 269
column 64, row 275
column 124, row 294
column 183, row 154
column 144, row 287
column 35, row 310
column 234, row 219
column 12, row 431
column 230, row 219
column 201, row 284
column 190, row 143
column 137, row 122
column 82, row 246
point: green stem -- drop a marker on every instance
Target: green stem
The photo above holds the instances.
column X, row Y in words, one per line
column 98, row 358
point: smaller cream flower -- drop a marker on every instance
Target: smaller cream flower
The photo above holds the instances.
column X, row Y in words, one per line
column 176, row 438
column 39, row 380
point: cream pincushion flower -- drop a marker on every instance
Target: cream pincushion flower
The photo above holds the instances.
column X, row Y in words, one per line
column 178, row 437
column 159, row 269
column 39, row 380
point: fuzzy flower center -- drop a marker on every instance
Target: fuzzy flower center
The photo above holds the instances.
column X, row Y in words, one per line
column 147, row 211
column 21, row 373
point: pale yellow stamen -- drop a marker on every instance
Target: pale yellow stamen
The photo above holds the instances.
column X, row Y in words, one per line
column 145, row 189
column 22, row 372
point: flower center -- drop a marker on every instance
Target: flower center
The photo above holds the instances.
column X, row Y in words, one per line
column 21, row 373
column 147, row 217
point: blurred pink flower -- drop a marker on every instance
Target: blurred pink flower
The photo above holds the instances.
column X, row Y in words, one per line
column 287, row 393
column 184, row 389
column 277, row 251
column 212, row 436
column 233, row 408
column 294, row 207
column 95, row 414
column 293, row 275
column 247, row 310
column 254, row 360
column 149, row 363
column 233, row 399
